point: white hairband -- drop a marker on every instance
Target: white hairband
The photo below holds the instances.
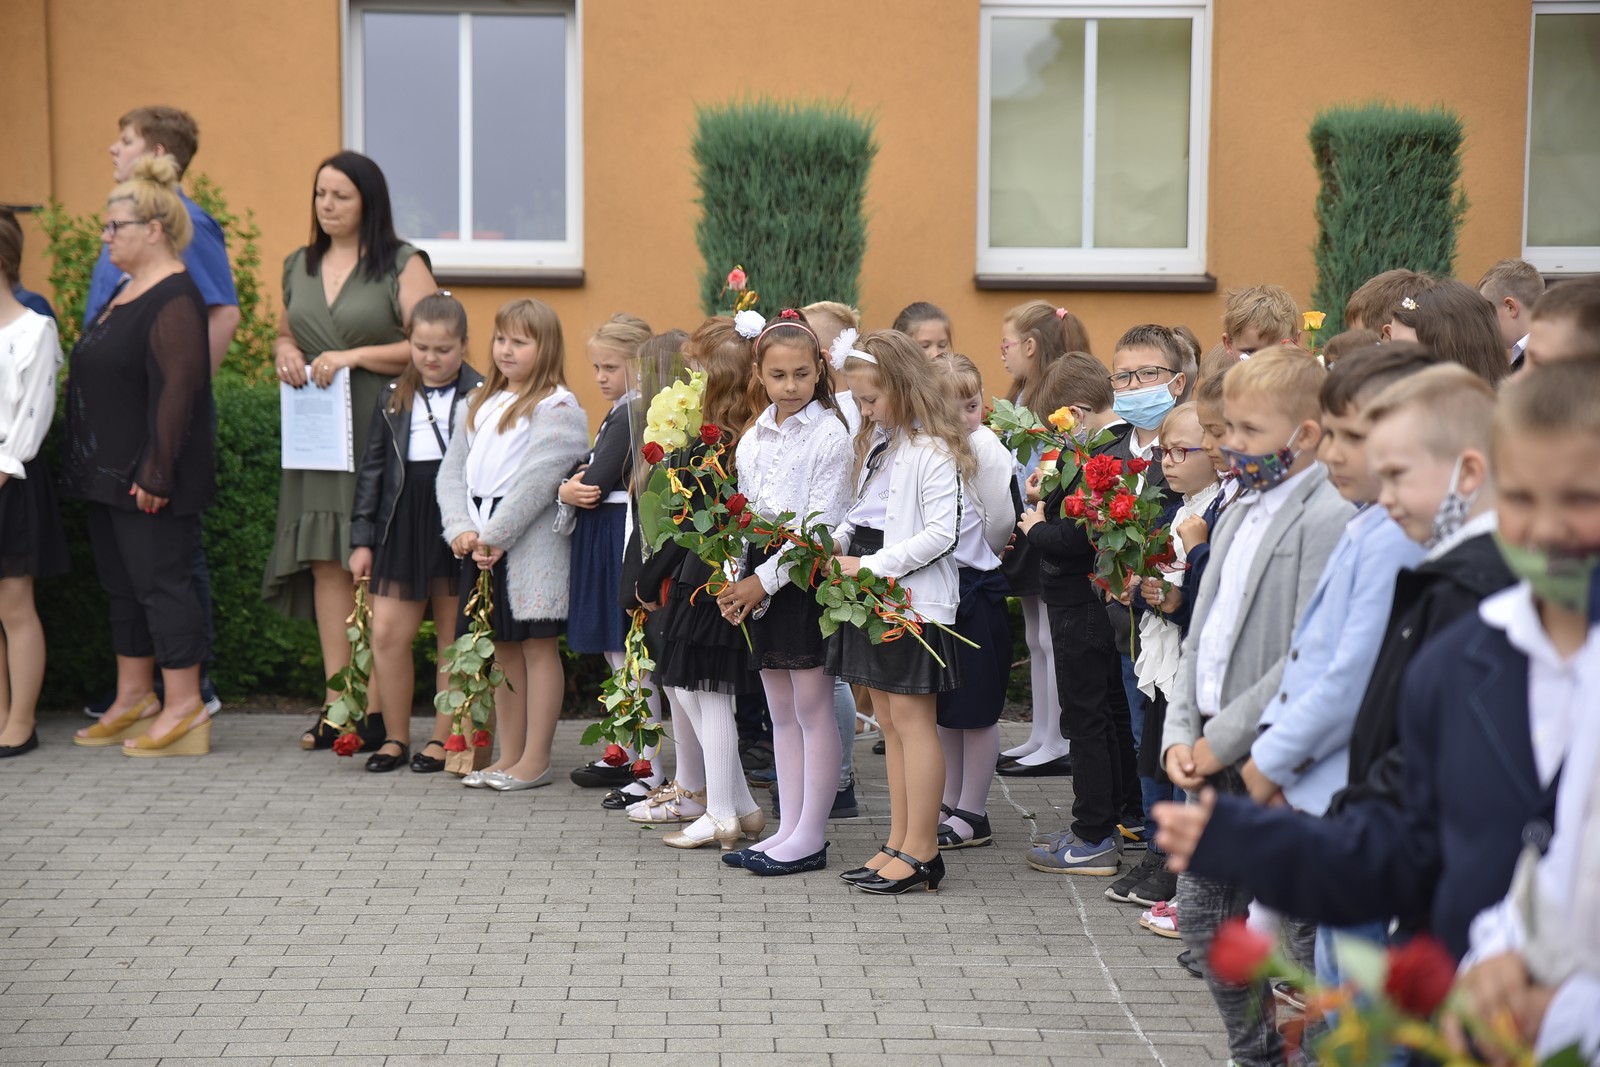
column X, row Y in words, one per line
column 843, row 348
column 748, row 324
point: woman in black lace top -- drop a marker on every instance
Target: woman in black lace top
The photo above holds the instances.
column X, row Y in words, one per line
column 139, row 449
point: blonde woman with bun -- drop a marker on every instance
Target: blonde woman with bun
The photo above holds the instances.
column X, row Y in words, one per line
column 139, row 451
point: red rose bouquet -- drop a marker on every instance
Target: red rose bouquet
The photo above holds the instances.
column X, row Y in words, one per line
column 473, row 677
column 347, row 712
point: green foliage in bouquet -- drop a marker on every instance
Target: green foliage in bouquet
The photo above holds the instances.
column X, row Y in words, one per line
column 1390, row 196
column 783, row 191
column 473, row 674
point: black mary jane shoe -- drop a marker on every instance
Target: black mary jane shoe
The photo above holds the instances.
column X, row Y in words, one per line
column 857, row 875
column 981, row 833
column 422, row 763
column 381, row 762
column 927, row 875
column 619, row 799
column 7, row 751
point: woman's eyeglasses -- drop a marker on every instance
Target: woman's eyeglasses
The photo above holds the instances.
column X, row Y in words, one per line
column 1177, row 454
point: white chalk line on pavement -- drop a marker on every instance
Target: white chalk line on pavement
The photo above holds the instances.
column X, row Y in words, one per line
column 1094, row 944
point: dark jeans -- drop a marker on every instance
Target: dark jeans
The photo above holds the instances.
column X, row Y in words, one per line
column 145, row 564
column 1094, row 717
column 202, row 589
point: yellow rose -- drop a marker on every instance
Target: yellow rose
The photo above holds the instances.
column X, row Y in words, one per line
column 1312, row 320
column 1063, row 419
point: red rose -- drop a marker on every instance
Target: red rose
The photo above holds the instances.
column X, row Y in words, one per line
column 1238, row 954
column 455, row 743
column 737, row 279
column 347, row 744
column 1101, row 472
column 1162, row 558
column 1075, row 506
column 1121, row 509
column 737, row 503
column 744, row 520
column 1138, row 466
column 1421, row 973
column 652, row 452
column 641, row 768
column 710, row 434
column 615, row 756
column 482, row 739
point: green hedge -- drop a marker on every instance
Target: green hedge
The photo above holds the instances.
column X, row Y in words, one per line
column 782, row 192
column 1390, row 197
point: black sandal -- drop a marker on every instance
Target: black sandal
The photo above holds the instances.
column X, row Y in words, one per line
column 422, row 763
column 321, row 735
column 981, row 833
column 379, row 762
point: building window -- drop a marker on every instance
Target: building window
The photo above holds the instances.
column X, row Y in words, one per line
column 473, row 112
column 1092, row 130
column 1561, row 227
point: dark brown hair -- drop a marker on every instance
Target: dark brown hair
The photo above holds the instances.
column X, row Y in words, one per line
column 788, row 331
column 1459, row 325
column 10, row 248
column 1362, row 374
column 1577, row 300
column 1341, row 345
column 1077, row 379
column 919, row 311
column 441, row 309
column 172, row 129
column 1054, row 332
column 1375, row 302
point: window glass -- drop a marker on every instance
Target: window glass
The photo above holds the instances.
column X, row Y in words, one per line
column 1563, row 131
column 519, row 116
column 1141, row 162
column 1036, row 133
column 410, row 93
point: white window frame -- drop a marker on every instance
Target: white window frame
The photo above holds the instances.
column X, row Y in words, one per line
column 468, row 254
column 1552, row 259
column 1102, row 262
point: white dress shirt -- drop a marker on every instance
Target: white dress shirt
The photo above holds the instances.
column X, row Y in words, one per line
column 424, row 444
column 493, row 455
column 802, row 466
column 1216, row 638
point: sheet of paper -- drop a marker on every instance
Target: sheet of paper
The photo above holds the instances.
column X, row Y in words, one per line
column 317, row 429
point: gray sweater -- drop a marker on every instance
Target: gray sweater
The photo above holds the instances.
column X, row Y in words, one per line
column 538, row 560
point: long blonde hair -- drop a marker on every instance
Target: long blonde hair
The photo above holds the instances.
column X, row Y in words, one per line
column 918, row 402
column 537, row 320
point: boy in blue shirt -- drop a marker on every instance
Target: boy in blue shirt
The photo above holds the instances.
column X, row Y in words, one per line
column 157, row 131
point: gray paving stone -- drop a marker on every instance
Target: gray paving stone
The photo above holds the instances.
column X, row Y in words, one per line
column 286, row 909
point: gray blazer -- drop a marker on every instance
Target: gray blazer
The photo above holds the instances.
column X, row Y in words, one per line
column 1284, row 574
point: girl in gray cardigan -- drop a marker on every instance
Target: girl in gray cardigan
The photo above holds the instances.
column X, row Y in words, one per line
column 497, row 497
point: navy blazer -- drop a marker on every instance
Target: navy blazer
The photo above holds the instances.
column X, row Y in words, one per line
column 1445, row 849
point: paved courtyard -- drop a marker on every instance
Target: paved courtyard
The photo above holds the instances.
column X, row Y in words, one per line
column 268, row 906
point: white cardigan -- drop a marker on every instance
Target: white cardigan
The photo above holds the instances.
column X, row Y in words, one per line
column 922, row 526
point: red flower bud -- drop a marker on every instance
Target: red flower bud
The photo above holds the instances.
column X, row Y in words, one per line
column 1421, row 973
column 744, row 520
column 710, row 433
column 615, row 756
column 347, row 744
column 482, row 739
column 652, row 452
column 455, row 743
column 737, row 503
column 1239, row 955
column 1138, row 466
column 641, row 768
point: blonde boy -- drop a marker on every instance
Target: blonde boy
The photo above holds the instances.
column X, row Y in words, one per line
column 1258, row 316
column 1513, row 286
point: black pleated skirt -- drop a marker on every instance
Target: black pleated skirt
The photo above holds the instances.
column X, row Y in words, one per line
column 788, row 636
column 414, row 555
column 702, row 652
column 32, row 541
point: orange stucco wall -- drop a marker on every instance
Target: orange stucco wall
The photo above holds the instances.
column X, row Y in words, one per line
column 263, row 80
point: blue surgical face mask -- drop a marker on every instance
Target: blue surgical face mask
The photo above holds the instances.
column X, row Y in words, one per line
column 1144, row 408
column 1262, row 470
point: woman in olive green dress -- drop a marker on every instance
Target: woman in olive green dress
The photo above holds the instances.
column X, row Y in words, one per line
column 346, row 298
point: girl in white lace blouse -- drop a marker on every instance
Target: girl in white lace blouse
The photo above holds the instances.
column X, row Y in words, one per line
column 795, row 457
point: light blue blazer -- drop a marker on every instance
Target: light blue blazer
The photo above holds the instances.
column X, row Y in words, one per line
column 1305, row 746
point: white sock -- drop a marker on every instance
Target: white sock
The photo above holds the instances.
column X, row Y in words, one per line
column 727, row 794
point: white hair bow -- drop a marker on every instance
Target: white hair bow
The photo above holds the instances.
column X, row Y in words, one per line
column 749, row 324
column 844, row 346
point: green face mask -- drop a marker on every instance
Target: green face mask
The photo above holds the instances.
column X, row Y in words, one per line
column 1559, row 578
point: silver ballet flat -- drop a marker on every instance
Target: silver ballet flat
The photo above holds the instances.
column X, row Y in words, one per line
column 507, row 784
column 480, row 779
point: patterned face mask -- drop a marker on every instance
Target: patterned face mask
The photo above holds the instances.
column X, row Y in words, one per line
column 1556, row 577
column 1262, row 470
column 1453, row 509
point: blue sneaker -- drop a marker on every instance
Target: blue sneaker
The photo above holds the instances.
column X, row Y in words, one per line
column 762, row 778
column 1075, row 856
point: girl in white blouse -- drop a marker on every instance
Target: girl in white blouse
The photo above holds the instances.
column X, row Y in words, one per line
column 796, row 457
column 523, row 432
column 32, row 544
column 912, row 459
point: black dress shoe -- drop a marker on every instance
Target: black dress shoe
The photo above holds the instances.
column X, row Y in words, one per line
column 619, row 799
column 856, row 875
column 598, row 776
column 1186, row 961
column 380, row 762
column 422, row 763
column 926, row 875
column 7, row 751
column 1060, row 767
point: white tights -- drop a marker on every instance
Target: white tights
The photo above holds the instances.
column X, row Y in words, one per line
column 969, row 759
column 710, row 718
column 805, row 742
column 1045, row 741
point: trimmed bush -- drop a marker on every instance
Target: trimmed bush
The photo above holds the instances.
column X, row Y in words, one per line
column 782, row 192
column 1390, row 197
